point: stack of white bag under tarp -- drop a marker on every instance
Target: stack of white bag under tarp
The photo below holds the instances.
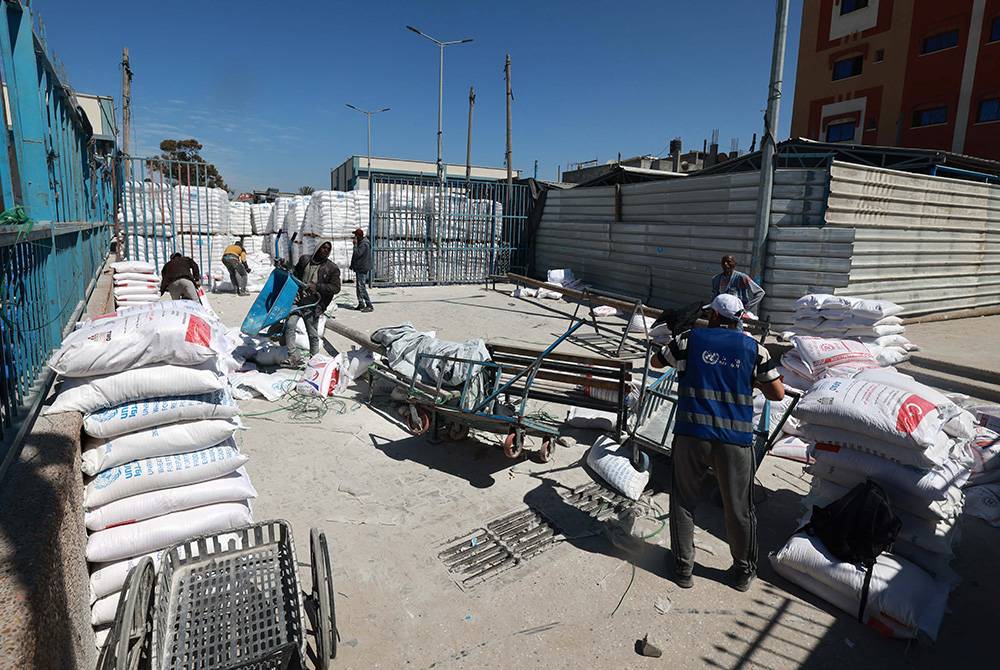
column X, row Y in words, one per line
column 135, row 283
column 333, row 216
column 288, row 245
column 159, row 453
column 239, row 219
column 912, row 441
column 876, row 323
column 260, row 212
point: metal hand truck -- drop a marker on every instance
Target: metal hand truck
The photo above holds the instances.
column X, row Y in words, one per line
column 230, row 600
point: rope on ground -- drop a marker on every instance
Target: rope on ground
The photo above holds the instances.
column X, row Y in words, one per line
column 302, row 408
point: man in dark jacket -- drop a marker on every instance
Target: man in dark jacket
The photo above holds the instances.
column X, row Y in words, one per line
column 321, row 279
column 181, row 277
column 361, row 264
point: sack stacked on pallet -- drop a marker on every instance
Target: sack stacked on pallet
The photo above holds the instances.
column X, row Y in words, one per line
column 982, row 492
column 275, row 219
column 333, row 216
column 288, row 244
column 874, row 322
column 159, row 453
column 911, row 440
column 259, row 214
column 201, row 210
column 135, row 283
column 239, row 219
column 145, row 209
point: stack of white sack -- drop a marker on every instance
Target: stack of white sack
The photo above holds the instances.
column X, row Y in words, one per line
column 790, row 443
column 333, row 216
column 561, row 278
column 239, row 219
column 275, row 219
column 875, row 322
column 145, row 209
column 982, row 492
column 912, row 441
column 288, row 246
column 814, row 358
column 201, row 210
column 159, row 452
column 135, row 283
column 259, row 214
column 253, row 244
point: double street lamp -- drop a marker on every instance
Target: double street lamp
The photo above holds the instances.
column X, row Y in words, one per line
column 369, row 114
column 441, row 45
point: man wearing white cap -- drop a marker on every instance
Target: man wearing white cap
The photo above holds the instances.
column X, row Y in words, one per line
column 717, row 369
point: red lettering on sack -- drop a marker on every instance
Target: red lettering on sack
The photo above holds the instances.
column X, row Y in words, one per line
column 912, row 412
column 825, row 446
column 198, row 332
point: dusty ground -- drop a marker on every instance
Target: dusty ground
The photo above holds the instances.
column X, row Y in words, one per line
column 969, row 342
column 388, row 500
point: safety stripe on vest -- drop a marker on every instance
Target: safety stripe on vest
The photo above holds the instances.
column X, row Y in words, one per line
column 719, row 396
column 715, row 421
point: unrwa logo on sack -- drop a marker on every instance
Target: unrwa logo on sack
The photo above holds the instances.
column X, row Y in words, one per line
column 107, row 478
column 106, row 415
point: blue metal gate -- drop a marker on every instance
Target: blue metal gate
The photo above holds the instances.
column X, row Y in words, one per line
column 424, row 233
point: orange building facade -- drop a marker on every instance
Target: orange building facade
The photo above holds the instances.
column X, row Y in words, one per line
column 905, row 73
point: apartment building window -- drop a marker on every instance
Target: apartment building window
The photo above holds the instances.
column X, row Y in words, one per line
column 840, row 132
column 848, row 6
column 995, row 30
column 989, row 110
column 849, row 67
column 940, row 41
column 931, row 116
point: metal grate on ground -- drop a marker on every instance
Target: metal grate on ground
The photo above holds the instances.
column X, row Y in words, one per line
column 486, row 552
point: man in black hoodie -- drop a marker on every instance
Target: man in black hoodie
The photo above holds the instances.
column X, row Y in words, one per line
column 361, row 264
column 321, row 279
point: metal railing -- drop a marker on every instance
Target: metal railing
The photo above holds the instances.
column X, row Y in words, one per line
column 424, row 233
column 56, row 189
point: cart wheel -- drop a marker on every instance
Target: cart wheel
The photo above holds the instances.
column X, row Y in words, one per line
column 546, row 450
column 458, row 431
column 512, row 444
column 127, row 645
column 322, row 595
column 418, row 419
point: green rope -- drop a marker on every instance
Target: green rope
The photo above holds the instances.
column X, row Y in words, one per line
column 16, row 216
column 304, row 408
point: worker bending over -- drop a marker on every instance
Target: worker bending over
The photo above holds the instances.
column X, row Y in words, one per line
column 361, row 264
column 734, row 282
column 234, row 257
column 717, row 368
column 321, row 282
column 181, row 277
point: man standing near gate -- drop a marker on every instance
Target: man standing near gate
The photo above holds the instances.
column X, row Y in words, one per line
column 717, row 369
column 361, row 264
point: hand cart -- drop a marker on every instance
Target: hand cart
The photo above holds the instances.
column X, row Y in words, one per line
column 494, row 394
column 275, row 302
column 227, row 600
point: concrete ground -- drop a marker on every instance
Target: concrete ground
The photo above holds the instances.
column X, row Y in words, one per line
column 968, row 342
column 388, row 501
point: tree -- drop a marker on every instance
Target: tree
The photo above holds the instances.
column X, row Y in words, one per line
column 181, row 162
column 306, row 190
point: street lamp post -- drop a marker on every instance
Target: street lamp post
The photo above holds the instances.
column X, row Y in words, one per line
column 441, row 45
column 369, row 114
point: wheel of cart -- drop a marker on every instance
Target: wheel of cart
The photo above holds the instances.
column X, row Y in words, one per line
column 227, row 600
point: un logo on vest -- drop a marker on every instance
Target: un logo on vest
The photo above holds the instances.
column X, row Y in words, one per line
column 710, row 357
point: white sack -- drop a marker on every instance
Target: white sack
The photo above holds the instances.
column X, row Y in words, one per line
column 174, row 438
column 134, row 266
column 616, row 469
column 115, row 544
column 135, row 289
column 131, row 417
column 902, row 600
column 561, row 276
column 271, row 386
column 958, row 422
column 883, row 412
column 161, row 472
column 107, row 578
column 91, row 394
column 937, row 483
column 162, row 336
column 640, row 323
column 819, row 354
column 102, row 612
column 322, row 376
column 938, row 455
column 120, row 277
column 234, row 487
column 792, row 448
column 302, row 338
column 583, row 417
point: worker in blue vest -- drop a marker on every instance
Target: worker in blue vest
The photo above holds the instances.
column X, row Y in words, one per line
column 718, row 368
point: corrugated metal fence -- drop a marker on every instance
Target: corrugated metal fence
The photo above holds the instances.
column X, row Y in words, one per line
column 54, row 236
column 929, row 243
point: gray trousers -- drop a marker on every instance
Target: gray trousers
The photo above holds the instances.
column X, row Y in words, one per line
column 237, row 273
column 734, row 469
column 361, row 287
column 310, row 317
column 182, row 289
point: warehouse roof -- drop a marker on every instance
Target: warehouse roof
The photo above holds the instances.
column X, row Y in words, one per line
column 624, row 174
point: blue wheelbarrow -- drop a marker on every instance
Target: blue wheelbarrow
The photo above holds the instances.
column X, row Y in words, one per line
column 275, row 303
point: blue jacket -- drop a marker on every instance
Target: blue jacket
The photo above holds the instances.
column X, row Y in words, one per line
column 715, row 393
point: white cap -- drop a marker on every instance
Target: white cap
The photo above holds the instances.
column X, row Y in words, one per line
column 728, row 306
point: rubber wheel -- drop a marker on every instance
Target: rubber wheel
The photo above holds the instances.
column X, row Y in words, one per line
column 546, row 450
column 419, row 425
column 512, row 444
column 322, row 596
column 457, row 431
column 127, row 646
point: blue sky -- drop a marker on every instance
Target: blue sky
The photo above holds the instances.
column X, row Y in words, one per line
column 263, row 84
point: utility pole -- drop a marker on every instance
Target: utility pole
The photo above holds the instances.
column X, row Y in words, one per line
column 368, row 115
column 767, row 143
column 536, row 169
column 510, row 96
column 126, row 110
column 468, row 141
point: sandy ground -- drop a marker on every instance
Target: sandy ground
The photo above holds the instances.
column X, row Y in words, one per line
column 388, row 501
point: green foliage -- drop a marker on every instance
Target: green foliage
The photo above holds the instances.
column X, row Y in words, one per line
column 181, row 162
column 306, row 190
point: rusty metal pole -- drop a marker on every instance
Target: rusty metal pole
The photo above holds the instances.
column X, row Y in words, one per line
column 510, row 171
column 468, row 141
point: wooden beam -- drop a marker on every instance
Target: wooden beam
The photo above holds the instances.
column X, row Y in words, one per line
column 591, row 298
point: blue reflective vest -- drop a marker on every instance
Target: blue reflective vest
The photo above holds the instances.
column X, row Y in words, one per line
column 715, row 393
